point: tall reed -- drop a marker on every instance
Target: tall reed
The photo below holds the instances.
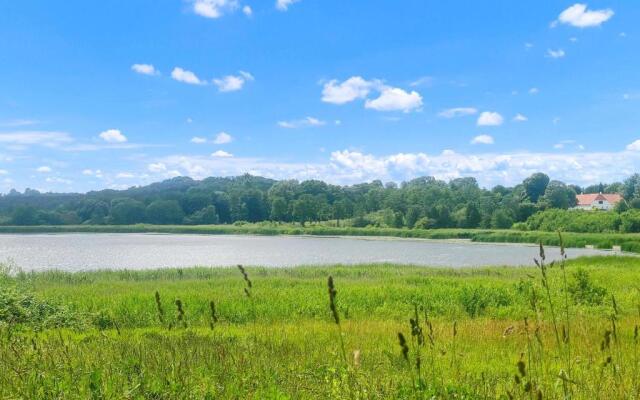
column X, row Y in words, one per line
column 334, row 313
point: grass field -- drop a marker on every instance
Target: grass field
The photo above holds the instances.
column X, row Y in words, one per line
column 105, row 334
column 628, row 241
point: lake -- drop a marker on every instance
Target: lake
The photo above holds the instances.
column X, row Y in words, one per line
column 76, row 252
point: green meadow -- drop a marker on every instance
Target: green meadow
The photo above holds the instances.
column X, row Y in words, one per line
column 402, row 332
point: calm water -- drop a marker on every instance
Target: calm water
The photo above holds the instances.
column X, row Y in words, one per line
column 74, row 252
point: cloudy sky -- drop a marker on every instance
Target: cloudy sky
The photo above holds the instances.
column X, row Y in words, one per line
column 114, row 94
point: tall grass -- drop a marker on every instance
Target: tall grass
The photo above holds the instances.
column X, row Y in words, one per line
column 527, row 337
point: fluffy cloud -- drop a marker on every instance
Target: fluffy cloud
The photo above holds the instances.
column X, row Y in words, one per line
column 302, row 123
column 214, row 8
column 232, row 83
column 283, row 5
column 490, row 119
column 395, row 99
column 555, row 53
column 184, row 76
column 113, row 136
column 44, row 169
column 490, row 168
column 635, row 146
column 222, row 138
column 520, row 118
column 145, row 69
column 198, row 140
column 353, row 88
column 246, row 10
column 125, row 175
column 534, row 90
column 579, row 16
column 356, row 87
column 482, row 139
column 457, row 112
column 221, row 154
column 156, row 167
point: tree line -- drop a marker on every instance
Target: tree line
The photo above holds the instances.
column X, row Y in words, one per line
column 424, row 202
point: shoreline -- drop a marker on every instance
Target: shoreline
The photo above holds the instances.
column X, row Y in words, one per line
column 629, row 243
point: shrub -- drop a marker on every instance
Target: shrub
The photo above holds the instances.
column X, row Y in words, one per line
column 584, row 291
column 574, row 221
column 630, row 221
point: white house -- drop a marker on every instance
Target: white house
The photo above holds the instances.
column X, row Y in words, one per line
column 597, row 201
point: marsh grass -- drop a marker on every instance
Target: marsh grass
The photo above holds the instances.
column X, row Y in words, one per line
column 583, row 350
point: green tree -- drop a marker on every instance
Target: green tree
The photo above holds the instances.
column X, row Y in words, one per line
column 127, row 211
column 472, row 216
column 413, row 215
column 25, row 215
column 501, row 219
column 280, row 210
column 164, row 212
column 558, row 195
column 206, row 216
column 535, row 186
column 305, row 209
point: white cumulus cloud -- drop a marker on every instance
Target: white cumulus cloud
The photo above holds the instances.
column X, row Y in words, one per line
column 395, row 99
column 214, row 8
column 634, row 146
column 246, row 10
column 580, row 16
column 198, row 140
column 490, row 119
column 44, row 169
column 221, row 154
column 222, row 138
column 184, row 76
column 482, row 139
column 113, row 136
column 145, row 69
column 232, row 83
column 353, row 88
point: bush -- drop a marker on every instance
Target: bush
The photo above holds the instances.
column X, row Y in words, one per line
column 574, row 221
column 501, row 219
column 630, row 221
column 584, row 291
column 424, row 223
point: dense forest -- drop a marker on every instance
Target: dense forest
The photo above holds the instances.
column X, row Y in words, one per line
column 420, row 203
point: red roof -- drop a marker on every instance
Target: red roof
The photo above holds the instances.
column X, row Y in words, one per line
column 588, row 199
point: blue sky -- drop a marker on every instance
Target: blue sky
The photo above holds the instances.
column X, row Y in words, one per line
column 114, row 94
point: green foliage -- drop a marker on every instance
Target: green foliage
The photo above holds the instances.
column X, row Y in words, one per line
column 458, row 203
column 127, row 211
column 630, row 221
column 164, row 212
column 574, row 221
column 535, row 186
column 584, row 291
column 206, row 216
column 501, row 219
column 285, row 344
